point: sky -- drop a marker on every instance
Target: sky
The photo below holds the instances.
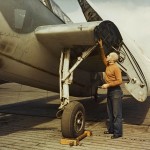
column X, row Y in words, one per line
column 131, row 16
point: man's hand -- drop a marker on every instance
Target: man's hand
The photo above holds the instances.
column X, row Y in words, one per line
column 105, row 86
column 100, row 43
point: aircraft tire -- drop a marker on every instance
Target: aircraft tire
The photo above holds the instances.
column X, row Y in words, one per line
column 73, row 120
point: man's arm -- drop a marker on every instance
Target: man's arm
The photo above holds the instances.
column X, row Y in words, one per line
column 102, row 52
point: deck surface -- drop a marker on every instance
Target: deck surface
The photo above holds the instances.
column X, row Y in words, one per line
column 28, row 121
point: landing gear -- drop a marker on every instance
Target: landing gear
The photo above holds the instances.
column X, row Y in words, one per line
column 73, row 120
column 73, row 116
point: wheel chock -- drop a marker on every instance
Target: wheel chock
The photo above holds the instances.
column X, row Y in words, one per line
column 75, row 142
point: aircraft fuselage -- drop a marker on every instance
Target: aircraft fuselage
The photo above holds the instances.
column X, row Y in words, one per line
column 23, row 59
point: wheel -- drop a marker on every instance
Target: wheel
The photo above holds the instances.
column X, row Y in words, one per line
column 73, row 120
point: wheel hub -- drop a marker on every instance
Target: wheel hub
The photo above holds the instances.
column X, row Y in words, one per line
column 79, row 121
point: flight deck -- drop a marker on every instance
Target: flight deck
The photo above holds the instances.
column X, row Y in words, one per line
column 28, row 121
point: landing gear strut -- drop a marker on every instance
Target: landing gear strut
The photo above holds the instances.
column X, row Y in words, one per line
column 73, row 116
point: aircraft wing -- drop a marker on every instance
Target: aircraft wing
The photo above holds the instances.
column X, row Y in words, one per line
column 79, row 36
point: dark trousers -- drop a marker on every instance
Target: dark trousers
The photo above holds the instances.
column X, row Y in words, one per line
column 114, row 109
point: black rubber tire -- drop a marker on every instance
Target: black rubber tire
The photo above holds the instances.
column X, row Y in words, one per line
column 74, row 112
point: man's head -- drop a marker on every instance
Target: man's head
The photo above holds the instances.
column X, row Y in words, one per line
column 112, row 57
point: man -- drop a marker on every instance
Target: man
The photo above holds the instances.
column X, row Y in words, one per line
column 113, row 79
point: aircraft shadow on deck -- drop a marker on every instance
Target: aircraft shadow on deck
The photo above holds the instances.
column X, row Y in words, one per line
column 134, row 112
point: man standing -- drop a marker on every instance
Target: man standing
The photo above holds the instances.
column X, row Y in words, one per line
column 113, row 79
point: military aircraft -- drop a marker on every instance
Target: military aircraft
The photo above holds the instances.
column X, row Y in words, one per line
column 41, row 47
